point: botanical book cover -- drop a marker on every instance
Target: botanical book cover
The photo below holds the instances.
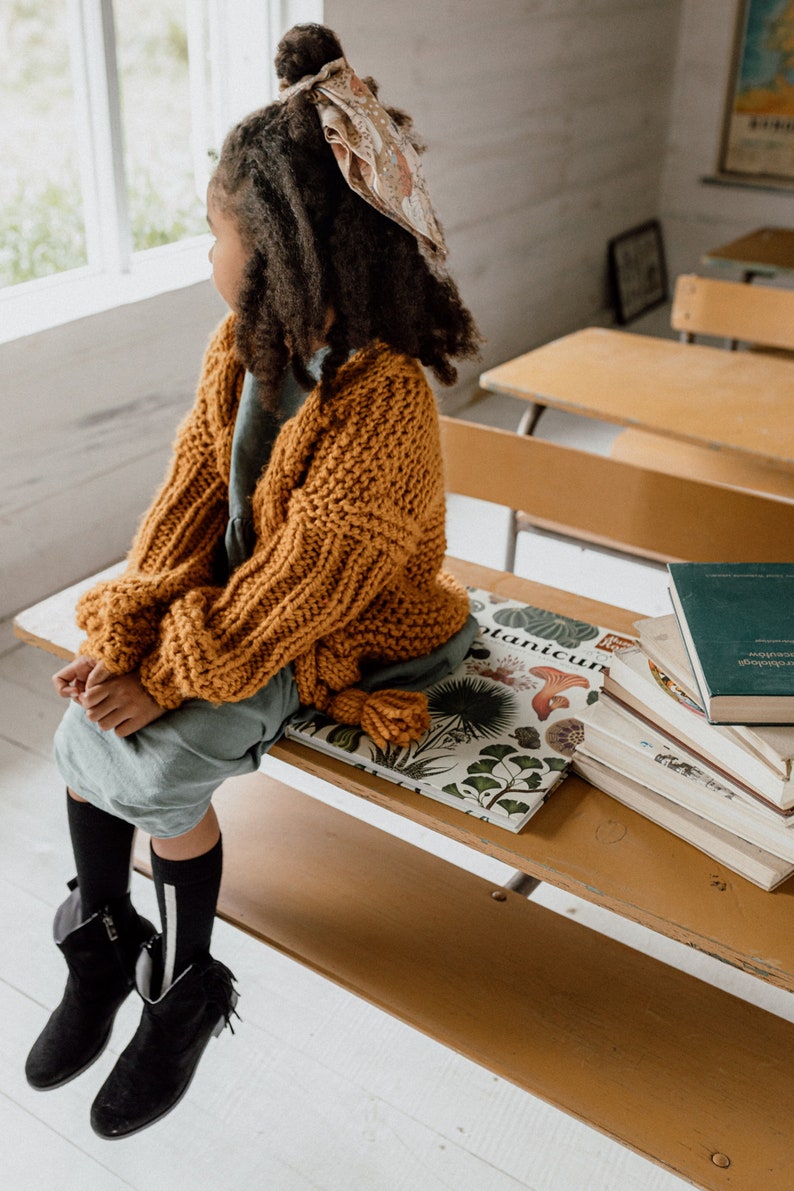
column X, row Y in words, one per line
column 737, row 621
column 503, row 725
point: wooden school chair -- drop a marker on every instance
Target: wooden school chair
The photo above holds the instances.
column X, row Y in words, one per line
column 758, row 315
column 761, row 318
column 611, row 503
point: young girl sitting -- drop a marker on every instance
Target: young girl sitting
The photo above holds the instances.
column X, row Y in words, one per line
column 293, row 557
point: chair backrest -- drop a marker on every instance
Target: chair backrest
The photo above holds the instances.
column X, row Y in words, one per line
column 733, row 310
column 612, row 503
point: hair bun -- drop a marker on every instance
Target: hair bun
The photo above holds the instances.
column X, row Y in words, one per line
column 305, row 49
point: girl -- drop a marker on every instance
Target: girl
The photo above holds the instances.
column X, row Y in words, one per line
column 292, row 558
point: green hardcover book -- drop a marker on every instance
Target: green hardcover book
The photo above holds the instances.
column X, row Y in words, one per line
column 737, row 622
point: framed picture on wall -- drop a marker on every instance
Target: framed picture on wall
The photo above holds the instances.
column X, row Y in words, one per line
column 637, row 271
column 758, row 128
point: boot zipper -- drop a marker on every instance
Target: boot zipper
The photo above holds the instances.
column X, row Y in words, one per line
column 110, row 926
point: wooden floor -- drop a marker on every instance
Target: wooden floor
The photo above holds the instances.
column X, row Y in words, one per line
column 316, row 1090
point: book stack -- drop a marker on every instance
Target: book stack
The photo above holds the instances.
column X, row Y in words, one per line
column 677, row 733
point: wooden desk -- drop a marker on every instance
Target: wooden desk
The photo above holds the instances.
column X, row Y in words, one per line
column 674, row 1068
column 740, row 402
column 765, row 252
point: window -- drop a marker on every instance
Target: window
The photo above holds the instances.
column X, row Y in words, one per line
column 110, row 111
column 41, row 225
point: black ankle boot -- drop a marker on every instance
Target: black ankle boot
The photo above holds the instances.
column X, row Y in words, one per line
column 101, row 953
column 154, row 1072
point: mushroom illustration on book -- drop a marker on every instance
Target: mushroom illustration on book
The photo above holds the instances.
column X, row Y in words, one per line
column 548, row 699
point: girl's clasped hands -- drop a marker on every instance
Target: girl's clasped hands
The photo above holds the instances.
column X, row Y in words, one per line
column 114, row 702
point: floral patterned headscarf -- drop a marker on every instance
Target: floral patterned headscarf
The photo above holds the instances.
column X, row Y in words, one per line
column 376, row 158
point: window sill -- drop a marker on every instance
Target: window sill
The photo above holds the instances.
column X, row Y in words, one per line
column 53, row 301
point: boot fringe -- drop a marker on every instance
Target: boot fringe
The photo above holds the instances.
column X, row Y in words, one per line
column 154, row 1072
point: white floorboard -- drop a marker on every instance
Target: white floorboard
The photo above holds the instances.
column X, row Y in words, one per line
column 316, row 1090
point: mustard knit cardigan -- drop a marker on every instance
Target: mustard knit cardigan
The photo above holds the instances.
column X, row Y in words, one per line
column 346, row 570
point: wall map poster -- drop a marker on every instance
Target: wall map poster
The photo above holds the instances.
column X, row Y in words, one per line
column 758, row 134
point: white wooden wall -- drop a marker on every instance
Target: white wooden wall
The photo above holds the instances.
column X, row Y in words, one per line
column 89, row 412
column 545, row 122
column 551, row 124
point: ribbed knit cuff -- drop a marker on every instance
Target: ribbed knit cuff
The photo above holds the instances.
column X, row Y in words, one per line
column 157, row 678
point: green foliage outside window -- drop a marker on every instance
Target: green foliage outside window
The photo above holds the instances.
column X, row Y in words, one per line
column 41, row 211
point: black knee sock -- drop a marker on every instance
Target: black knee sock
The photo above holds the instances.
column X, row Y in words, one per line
column 187, row 894
column 102, row 846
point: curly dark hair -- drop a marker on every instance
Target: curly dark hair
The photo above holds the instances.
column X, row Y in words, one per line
column 316, row 247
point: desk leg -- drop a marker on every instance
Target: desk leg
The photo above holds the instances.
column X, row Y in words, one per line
column 527, row 425
column 522, row 883
column 530, row 419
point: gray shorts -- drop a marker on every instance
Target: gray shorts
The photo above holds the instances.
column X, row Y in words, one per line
column 162, row 778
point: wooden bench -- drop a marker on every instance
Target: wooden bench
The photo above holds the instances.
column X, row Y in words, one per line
column 759, row 316
column 679, row 1071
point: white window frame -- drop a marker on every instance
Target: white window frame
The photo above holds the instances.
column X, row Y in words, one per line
column 242, row 35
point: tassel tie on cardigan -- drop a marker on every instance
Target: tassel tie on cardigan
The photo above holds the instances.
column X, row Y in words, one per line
column 389, row 716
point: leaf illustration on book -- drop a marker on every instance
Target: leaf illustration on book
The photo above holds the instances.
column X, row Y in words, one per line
column 497, row 751
column 549, row 625
column 454, row 791
column 499, row 770
column 558, row 763
column 406, row 762
column 511, row 807
column 467, row 708
column 481, row 783
column 346, row 737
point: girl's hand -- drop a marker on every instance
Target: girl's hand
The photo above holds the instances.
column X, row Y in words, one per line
column 119, row 703
column 99, row 673
column 70, row 682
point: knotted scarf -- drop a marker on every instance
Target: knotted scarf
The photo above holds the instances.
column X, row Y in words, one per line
column 376, row 158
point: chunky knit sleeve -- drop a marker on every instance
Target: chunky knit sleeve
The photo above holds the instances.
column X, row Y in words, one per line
column 174, row 547
column 344, row 520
